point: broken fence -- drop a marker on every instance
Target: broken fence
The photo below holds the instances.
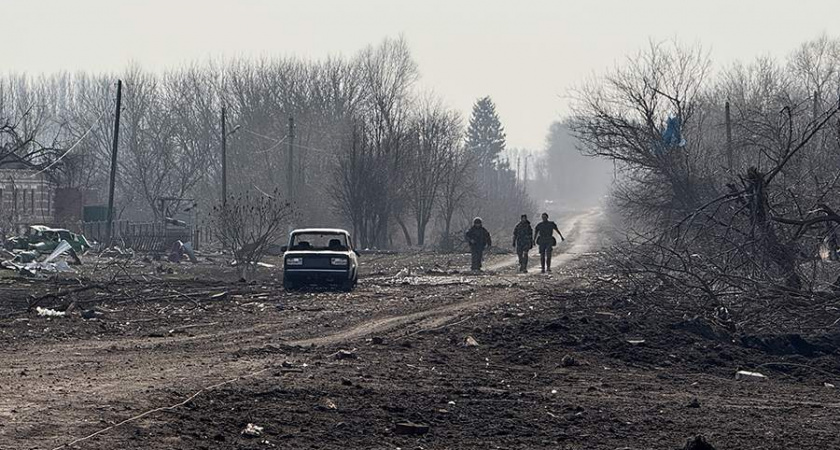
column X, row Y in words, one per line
column 146, row 237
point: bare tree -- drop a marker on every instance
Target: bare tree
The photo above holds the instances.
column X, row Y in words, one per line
column 249, row 223
column 458, row 190
column 436, row 136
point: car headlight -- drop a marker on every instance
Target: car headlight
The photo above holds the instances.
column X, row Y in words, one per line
column 338, row 261
column 294, row 261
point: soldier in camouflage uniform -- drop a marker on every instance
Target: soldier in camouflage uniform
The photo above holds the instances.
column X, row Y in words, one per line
column 523, row 241
column 478, row 239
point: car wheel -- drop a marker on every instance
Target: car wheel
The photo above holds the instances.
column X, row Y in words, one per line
column 289, row 285
column 348, row 285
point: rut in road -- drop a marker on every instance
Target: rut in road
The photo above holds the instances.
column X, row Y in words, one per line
column 581, row 240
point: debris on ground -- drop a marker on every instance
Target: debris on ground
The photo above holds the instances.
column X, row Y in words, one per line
column 568, row 361
column 89, row 314
column 636, row 341
column 47, row 312
column 698, row 443
column 345, row 354
column 117, row 252
column 26, row 256
column 43, row 240
column 252, row 430
column 26, row 262
column 694, row 403
column 181, row 249
column 326, row 403
column 743, row 375
column 470, row 341
column 411, row 428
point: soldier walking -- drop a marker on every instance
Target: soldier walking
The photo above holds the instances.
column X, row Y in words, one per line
column 478, row 239
column 546, row 241
column 523, row 242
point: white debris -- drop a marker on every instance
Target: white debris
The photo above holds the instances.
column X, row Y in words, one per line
column 60, row 249
column 406, row 272
column 828, row 385
column 252, row 430
column 47, row 312
column 470, row 342
column 743, row 375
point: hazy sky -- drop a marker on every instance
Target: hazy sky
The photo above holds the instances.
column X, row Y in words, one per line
column 524, row 54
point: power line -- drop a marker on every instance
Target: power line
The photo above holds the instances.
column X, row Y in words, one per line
column 277, row 144
column 72, row 147
column 258, row 134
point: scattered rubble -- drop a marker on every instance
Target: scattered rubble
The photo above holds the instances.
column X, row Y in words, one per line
column 181, row 249
column 743, row 375
column 345, row 354
column 26, row 263
column 410, row 428
column 252, row 430
column 117, row 252
column 47, row 312
column 327, row 404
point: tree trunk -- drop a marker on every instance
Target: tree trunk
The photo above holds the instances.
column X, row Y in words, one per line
column 421, row 232
column 771, row 248
column 405, row 231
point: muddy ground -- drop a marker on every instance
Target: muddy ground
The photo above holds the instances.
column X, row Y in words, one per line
column 148, row 359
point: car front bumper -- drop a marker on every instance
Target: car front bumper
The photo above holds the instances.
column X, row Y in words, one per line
column 318, row 275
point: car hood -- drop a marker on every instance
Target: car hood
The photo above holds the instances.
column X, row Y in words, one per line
column 297, row 253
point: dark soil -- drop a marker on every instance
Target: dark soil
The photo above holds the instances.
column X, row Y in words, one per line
column 561, row 362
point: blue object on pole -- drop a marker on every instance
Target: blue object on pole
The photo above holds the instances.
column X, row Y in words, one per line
column 672, row 137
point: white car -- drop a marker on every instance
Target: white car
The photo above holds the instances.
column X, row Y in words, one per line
column 320, row 256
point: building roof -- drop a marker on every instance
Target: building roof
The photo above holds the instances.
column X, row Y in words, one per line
column 14, row 161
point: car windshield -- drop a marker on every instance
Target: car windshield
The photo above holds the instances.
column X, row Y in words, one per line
column 319, row 241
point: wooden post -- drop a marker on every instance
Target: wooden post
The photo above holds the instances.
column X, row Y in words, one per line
column 224, row 158
column 113, row 177
column 290, row 170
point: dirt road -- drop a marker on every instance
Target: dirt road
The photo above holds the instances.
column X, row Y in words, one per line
column 190, row 363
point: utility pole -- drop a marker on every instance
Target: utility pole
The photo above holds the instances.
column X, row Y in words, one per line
column 290, row 169
column 113, row 177
column 518, row 164
column 729, row 156
column 224, row 158
column 525, row 180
